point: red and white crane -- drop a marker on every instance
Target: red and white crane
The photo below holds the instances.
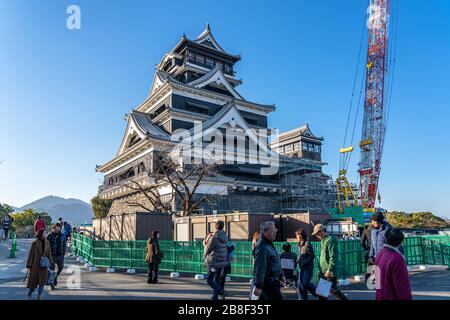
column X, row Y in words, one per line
column 377, row 85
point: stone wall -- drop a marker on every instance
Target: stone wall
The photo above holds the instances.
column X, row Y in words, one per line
column 253, row 202
column 120, row 205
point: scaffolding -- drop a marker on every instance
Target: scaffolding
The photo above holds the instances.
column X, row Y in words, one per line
column 305, row 187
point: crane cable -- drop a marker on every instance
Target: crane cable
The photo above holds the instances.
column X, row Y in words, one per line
column 345, row 158
column 390, row 89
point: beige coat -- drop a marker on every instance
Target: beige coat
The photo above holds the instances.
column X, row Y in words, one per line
column 37, row 274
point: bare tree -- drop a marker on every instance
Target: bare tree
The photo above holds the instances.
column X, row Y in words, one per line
column 151, row 193
column 184, row 181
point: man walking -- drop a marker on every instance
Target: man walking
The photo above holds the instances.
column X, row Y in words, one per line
column 267, row 272
column 328, row 260
column 153, row 256
column 57, row 247
column 378, row 235
column 6, row 224
column 215, row 257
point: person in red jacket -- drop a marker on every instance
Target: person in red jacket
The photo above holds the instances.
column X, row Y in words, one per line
column 392, row 280
column 39, row 225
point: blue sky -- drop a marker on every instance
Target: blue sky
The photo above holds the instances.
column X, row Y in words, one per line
column 63, row 93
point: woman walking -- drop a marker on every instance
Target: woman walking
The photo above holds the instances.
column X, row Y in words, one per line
column 39, row 260
column 305, row 262
column 153, row 257
column 392, row 272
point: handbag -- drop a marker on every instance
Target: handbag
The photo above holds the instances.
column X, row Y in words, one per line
column 323, row 288
column 51, row 275
column 44, row 262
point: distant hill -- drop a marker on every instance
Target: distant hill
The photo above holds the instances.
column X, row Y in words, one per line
column 73, row 210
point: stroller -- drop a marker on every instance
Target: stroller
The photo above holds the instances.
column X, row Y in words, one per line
column 288, row 262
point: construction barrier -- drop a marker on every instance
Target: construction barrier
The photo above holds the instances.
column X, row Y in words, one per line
column 187, row 256
column 12, row 250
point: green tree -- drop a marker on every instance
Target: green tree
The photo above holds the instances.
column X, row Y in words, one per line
column 416, row 220
column 24, row 222
column 5, row 209
column 100, row 207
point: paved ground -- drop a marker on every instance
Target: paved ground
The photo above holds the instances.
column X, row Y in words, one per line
column 14, row 268
column 433, row 284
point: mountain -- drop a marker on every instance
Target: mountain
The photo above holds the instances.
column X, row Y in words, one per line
column 73, row 210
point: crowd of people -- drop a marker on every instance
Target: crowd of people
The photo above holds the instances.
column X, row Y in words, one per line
column 386, row 264
column 46, row 255
column 272, row 270
column 384, row 257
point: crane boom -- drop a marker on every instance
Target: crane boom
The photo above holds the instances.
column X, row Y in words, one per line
column 374, row 122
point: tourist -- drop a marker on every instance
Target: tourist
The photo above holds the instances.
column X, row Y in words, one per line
column 378, row 235
column 58, row 249
column 153, row 257
column 38, row 268
column 6, row 224
column 288, row 261
column 392, row 272
column 215, row 258
column 39, row 224
column 366, row 243
column 255, row 239
column 267, row 272
column 67, row 231
column 306, row 264
column 227, row 269
column 328, row 260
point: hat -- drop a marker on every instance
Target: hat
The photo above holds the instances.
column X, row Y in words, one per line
column 155, row 233
column 378, row 217
column 317, row 228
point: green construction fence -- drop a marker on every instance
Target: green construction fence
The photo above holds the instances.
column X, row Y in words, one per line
column 187, row 256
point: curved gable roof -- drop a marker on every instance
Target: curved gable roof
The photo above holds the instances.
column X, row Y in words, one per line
column 206, row 38
column 215, row 75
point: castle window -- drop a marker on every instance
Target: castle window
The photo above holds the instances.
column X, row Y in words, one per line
column 251, row 121
column 190, row 56
column 296, row 146
column 209, row 62
column 288, row 148
column 199, row 59
column 220, row 64
column 228, row 68
column 304, row 145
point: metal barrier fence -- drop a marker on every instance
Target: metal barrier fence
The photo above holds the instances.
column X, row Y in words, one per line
column 187, row 256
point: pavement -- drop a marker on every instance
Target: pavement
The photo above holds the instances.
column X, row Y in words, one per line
column 77, row 283
column 14, row 268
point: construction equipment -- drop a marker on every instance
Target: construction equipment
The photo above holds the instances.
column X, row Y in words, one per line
column 377, row 83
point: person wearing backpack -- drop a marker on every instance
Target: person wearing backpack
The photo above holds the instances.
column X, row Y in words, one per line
column 6, row 225
column 39, row 260
column 153, row 257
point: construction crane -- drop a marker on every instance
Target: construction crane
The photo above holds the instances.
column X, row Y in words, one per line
column 376, row 85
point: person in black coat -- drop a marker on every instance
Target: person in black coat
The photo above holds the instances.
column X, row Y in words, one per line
column 306, row 264
column 267, row 272
column 58, row 249
column 153, row 256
